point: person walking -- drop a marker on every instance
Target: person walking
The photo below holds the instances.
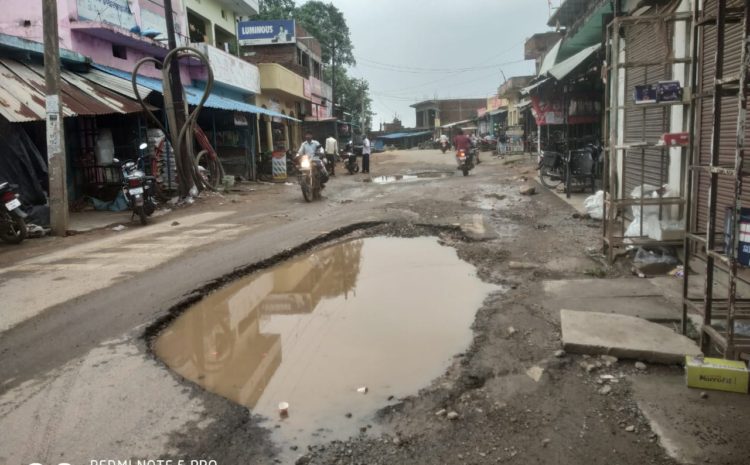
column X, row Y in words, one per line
column 366, row 151
column 332, row 149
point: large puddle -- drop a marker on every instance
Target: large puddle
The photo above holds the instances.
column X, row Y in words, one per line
column 385, row 314
column 409, row 177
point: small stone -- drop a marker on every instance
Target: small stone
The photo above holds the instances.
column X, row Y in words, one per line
column 704, row 395
column 391, row 398
column 605, row 390
column 560, row 353
column 363, row 429
column 441, row 412
column 304, row 460
column 175, row 223
column 640, row 366
column 294, row 447
column 630, row 429
column 609, row 360
column 348, row 415
column 396, row 441
column 452, row 416
column 512, row 331
column 546, row 442
column 527, row 190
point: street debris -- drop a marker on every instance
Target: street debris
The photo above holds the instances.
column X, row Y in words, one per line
column 119, row 227
column 560, row 353
column 362, row 390
column 630, row 429
column 175, row 223
column 605, row 390
column 594, row 205
column 284, row 409
column 512, row 330
column 441, row 412
column 640, row 366
column 527, row 190
column 535, row 373
column 452, row 416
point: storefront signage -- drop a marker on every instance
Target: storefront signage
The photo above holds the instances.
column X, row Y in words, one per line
column 266, row 32
column 116, row 12
column 547, row 111
column 230, row 70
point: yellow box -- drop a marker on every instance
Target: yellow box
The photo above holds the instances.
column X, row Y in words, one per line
column 716, row 374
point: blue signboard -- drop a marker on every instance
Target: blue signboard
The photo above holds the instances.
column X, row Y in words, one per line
column 266, row 32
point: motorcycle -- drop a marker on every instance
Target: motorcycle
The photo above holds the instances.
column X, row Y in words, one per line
column 580, row 167
column 350, row 160
column 465, row 161
column 12, row 219
column 552, row 169
column 444, row 146
column 312, row 175
column 138, row 188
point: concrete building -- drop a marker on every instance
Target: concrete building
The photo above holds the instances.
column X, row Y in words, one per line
column 435, row 113
column 537, row 46
column 510, row 90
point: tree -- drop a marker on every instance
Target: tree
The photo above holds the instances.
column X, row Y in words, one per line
column 275, row 9
column 327, row 24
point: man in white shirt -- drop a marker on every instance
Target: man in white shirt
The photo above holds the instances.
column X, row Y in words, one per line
column 366, row 151
column 310, row 147
column 332, row 149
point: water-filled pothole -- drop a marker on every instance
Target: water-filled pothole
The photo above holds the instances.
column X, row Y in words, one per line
column 387, row 314
column 409, row 177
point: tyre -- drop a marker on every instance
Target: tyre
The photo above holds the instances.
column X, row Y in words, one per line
column 350, row 168
column 465, row 170
column 141, row 212
column 14, row 231
column 444, row 149
column 549, row 179
column 356, row 168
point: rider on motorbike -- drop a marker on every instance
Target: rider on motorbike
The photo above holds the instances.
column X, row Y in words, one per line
column 462, row 142
column 310, row 148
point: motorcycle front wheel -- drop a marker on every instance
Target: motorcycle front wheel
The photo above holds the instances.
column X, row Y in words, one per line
column 13, row 230
column 550, row 179
column 141, row 212
column 307, row 192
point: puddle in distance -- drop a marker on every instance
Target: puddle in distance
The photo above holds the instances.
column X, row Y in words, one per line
column 385, row 313
column 408, row 177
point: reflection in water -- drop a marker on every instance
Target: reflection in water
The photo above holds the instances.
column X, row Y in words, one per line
column 384, row 313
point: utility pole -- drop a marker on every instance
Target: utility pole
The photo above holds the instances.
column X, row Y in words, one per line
column 333, row 91
column 56, row 157
column 176, row 112
column 362, row 115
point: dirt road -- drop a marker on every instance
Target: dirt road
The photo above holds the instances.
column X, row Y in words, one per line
column 78, row 381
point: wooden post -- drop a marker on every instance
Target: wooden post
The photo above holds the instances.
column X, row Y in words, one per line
column 56, row 156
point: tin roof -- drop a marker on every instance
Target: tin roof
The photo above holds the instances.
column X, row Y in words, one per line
column 23, row 90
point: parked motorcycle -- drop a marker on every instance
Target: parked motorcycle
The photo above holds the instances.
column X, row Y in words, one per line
column 12, row 219
column 580, row 167
column 350, row 160
column 138, row 188
column 444, row 146
column 552, row 168
column 311, row 175
column 465, row 161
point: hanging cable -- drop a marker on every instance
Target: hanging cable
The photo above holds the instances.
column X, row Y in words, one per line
column 186, row 161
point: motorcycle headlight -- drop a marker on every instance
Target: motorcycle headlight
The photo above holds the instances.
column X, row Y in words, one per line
column 305, row 163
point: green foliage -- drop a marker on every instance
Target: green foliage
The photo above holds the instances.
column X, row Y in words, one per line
column 327, row 23
column 275, row 9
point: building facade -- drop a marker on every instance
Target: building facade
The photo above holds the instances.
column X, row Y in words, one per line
column 432, row 114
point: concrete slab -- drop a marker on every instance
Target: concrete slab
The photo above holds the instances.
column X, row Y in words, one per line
column 693, row 430
column 633, row 297
column 477, row 228
column 623, row 336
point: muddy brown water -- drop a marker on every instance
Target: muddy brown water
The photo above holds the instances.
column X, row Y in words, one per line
column 387, row 314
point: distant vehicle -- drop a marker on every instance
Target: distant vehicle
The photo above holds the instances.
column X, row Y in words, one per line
column 466, row 161
column 12, row 219
column 350, row 160
column 311, row 175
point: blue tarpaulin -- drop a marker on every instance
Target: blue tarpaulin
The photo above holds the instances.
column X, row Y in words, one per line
column 194, row 95
column 403, row 135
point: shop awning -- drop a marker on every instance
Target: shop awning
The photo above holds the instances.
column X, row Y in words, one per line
column 523, row 104
column 561, row 70
column 194, row 95
column 527, row 90
column 499, row 111
column 403, row 135
column 588, row 33
column 23, row 91
column 550, row 59
column 457, row 123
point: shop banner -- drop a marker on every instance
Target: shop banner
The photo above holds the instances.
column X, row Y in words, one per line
column 266, row 32
column 547, row 111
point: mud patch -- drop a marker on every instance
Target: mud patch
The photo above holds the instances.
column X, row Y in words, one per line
column 408, row 177
column 383, row 313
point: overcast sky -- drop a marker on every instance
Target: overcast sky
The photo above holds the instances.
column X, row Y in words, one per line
column 402, row 48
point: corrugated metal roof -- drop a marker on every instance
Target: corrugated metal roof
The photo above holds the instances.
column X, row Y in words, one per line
column 116, row 84
column 194, row 95
column 22, row 94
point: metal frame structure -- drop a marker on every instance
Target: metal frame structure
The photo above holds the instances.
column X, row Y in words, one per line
column 720, row 314
column 616, row 202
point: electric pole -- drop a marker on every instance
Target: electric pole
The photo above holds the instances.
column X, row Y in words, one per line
column 175, row 112
column 333, row 91
column 362, row 116
column 56, row 159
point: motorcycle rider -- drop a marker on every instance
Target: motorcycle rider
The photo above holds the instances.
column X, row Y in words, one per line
column 475, row 144
column 332, row 149
column 462, row 142
column 443, row 139
column 310, row 148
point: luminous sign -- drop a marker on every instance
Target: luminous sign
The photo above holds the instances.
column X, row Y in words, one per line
column 266, row 32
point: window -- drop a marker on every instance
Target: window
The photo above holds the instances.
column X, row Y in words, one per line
column 223, row 14
column 196, row 28
column 119, row 51
column 316, row 70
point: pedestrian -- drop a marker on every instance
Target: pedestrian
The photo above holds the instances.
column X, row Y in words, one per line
column 332, row 149
column 366, row 151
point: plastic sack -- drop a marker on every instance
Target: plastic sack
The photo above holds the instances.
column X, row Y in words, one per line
column 656, row 260
column 594, row 205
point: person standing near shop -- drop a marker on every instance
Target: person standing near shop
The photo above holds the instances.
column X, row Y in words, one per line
column 366, row 151
column 332, row 149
